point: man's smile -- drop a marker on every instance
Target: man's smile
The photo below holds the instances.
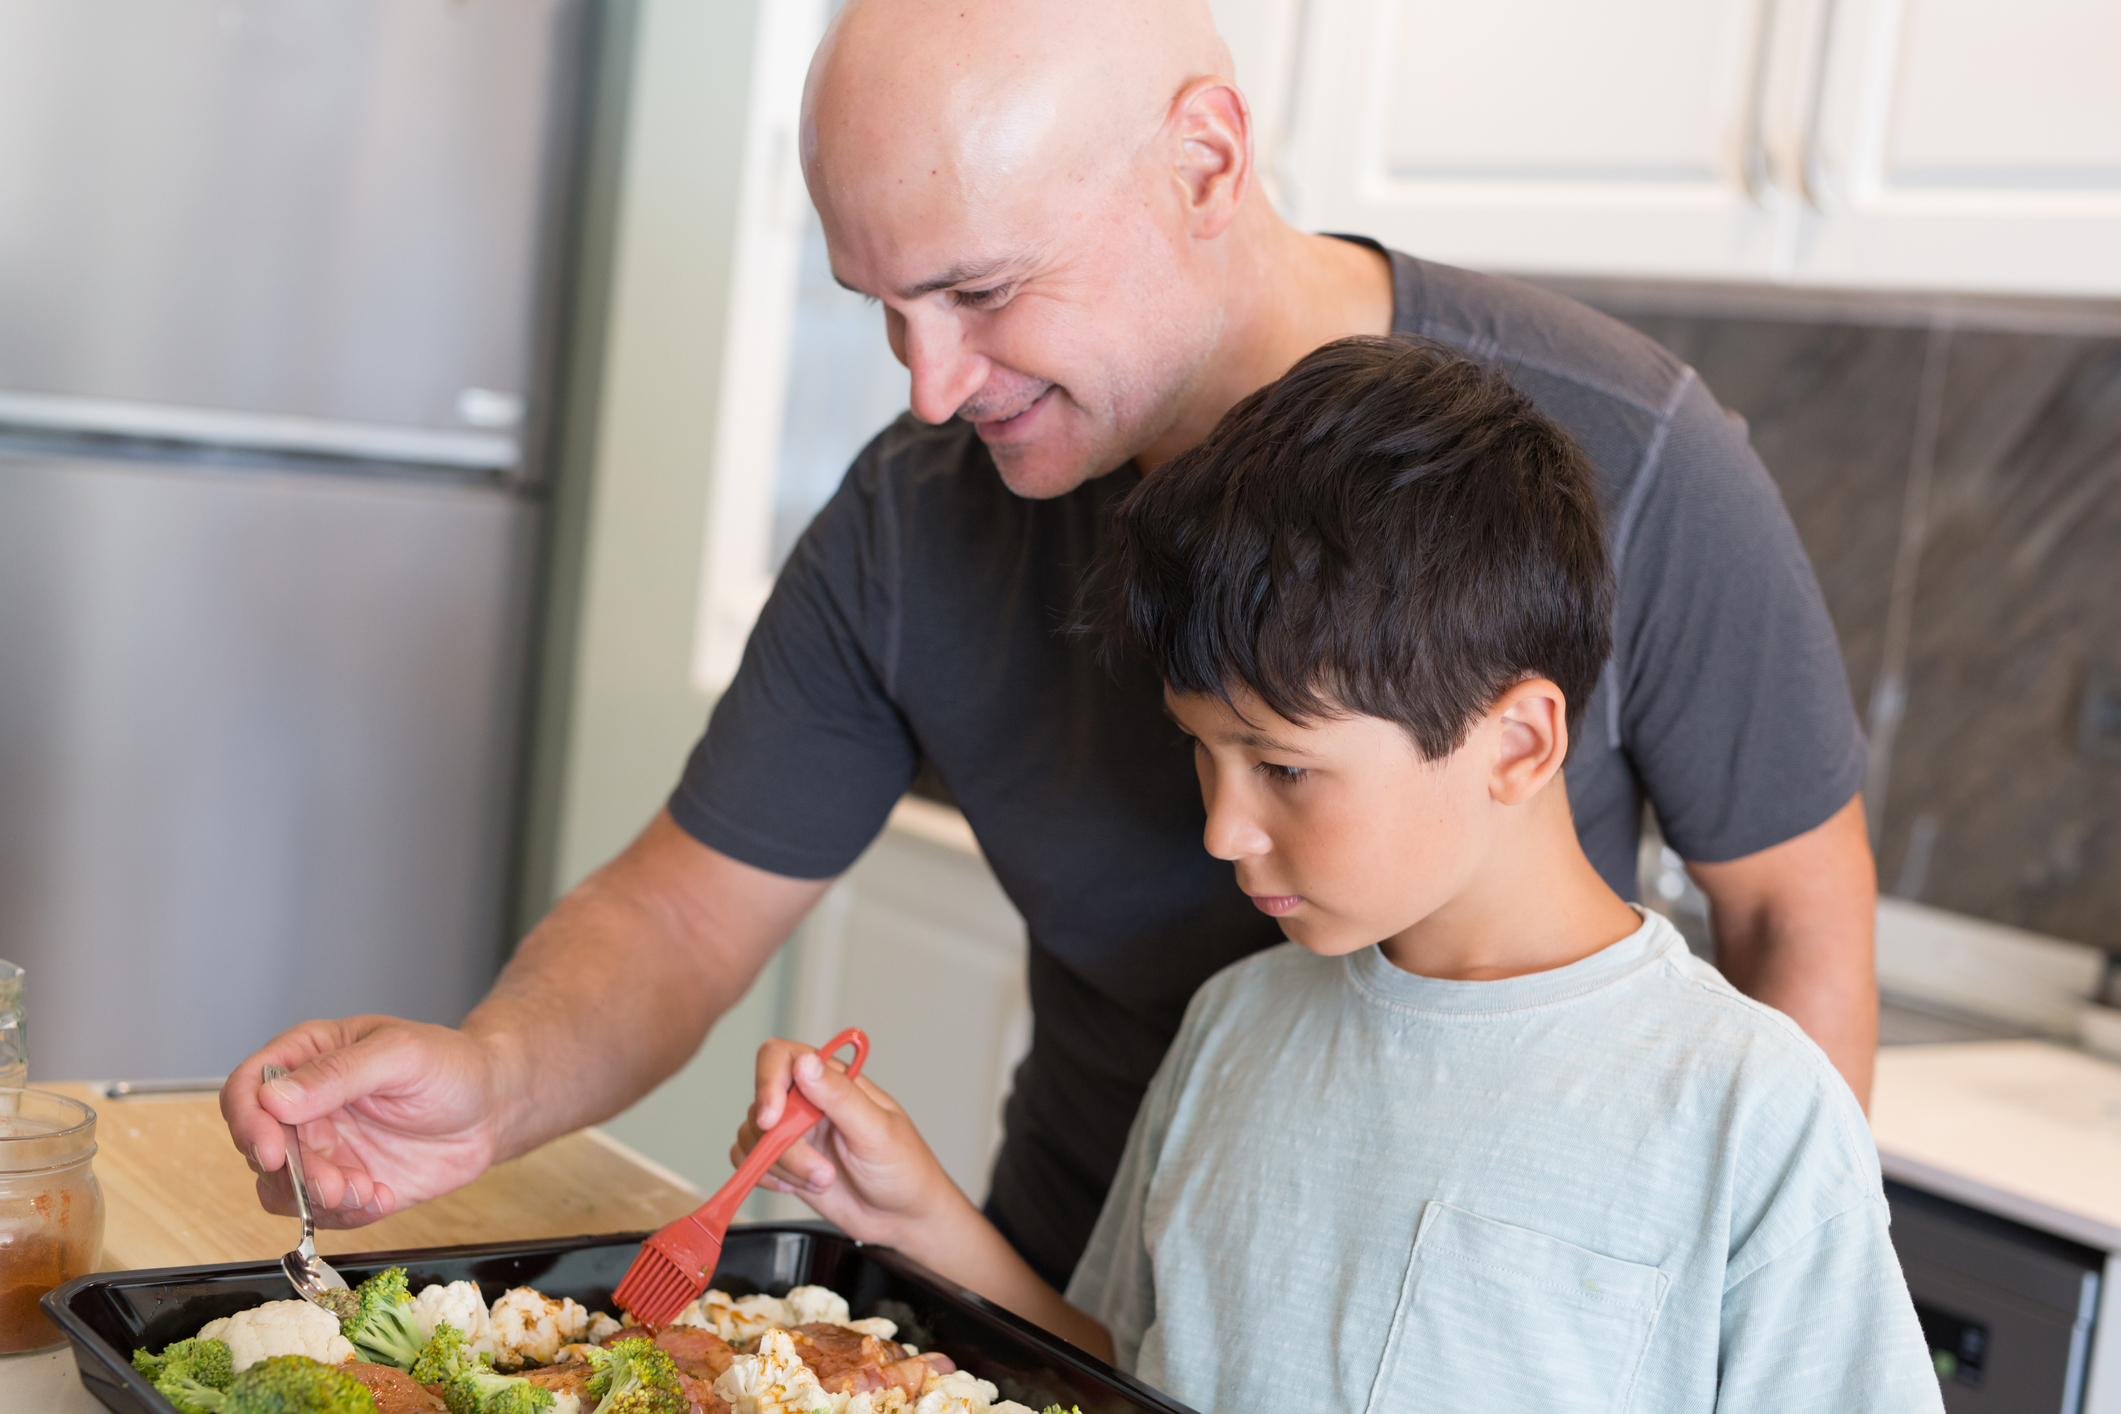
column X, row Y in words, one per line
column 991, row 428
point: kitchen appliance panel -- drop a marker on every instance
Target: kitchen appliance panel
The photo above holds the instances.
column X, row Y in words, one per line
column 326, row 209
column 2008, row 1311
column 257, row 750
column 109, row 1315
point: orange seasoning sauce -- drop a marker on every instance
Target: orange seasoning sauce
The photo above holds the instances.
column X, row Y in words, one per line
column 51, row 1209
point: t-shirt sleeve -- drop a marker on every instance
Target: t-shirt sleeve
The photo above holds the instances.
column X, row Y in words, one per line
column 1732, row 701
column 805, row 754
column 1827, row 1325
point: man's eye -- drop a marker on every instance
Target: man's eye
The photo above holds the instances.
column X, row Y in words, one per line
column 1287, row 775
column 982, row 299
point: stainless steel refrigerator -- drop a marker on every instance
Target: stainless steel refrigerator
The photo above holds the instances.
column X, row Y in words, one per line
column 277, row 285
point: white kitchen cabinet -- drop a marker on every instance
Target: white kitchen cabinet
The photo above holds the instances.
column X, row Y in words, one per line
column 1545, row 135
column 1964, row 145
column 1918, row 144
column 918, row 946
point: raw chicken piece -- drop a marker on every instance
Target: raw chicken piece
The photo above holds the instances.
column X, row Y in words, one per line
column 393, row 1389
column 699, row 1353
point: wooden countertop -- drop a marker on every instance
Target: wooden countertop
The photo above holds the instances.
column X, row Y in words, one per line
column 176, row 1192
column 2026, row 1129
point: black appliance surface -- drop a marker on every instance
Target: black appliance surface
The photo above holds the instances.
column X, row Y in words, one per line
column 108, row 1315
column 2008, row 1310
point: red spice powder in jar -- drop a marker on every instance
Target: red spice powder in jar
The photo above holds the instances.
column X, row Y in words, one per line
column 51, row 1209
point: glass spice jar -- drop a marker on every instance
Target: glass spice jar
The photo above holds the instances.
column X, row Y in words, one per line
column 51, row 1210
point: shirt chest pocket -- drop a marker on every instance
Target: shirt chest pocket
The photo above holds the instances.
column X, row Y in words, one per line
column 1500, row 1319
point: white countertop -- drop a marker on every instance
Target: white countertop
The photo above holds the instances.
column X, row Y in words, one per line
column 44, row 1384
column 2029, row 1130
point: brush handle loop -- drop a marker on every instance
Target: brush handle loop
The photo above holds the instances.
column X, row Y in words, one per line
column 800, row 1117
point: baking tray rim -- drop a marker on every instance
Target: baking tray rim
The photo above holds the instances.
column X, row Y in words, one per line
column 57, row 1303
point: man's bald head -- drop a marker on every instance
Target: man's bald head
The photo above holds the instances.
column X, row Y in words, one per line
column 1028, row 186
column 983, row 92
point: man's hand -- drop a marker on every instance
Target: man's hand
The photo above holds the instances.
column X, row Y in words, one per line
column 1795, row 928
column 866, row 1168
column 608, row 995
column 390, row 1112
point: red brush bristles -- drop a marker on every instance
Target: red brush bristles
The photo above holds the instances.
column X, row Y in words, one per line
column 676, row 1262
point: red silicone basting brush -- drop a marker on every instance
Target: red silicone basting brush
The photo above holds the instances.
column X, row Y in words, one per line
column 674, row 1264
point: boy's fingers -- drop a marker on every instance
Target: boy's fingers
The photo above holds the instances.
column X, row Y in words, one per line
column 801, row 1165
column 773, row 1079
column 853, row 1112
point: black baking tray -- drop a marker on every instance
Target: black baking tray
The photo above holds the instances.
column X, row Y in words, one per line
column 109, row 1315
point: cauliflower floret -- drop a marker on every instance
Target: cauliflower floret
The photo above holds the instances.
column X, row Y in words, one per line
column 775, row 1381
column 602, row 1326
column 739, row 1321
column 876, row 1326
column 529, row 1327
column 460, row 1304
column 280, row 1328
column 815, row 1305
column 959, row 1392
column 889, row 1400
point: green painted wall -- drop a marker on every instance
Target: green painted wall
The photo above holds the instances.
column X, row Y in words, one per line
column 616, row 711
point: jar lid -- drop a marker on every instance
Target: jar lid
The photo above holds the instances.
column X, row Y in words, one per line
column 41, row 1130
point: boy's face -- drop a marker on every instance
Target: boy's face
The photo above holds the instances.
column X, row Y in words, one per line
column 1339, row 828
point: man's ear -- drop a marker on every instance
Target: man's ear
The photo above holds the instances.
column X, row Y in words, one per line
column 1532, row 740
column 1212, row 126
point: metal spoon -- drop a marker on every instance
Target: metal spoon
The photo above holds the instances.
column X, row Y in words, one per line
column 313, row 1277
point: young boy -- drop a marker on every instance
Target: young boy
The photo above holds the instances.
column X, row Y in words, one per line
column 1482, row 1135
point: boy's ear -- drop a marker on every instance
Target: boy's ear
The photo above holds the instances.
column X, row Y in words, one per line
column 1533, row 740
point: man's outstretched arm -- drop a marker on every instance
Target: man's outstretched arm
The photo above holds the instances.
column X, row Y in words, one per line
column 609, row 994
column 1795, row 926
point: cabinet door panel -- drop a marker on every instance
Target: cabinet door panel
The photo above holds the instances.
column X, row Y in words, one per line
column 1961, row 148
column 1542, row 135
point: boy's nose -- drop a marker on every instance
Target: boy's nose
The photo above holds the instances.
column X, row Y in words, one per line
column 1232, row 833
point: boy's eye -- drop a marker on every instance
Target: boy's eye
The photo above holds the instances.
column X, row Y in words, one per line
column 1287, row 775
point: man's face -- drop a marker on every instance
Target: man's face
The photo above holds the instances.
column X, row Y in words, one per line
column 1338, row 828
column 1057, row 317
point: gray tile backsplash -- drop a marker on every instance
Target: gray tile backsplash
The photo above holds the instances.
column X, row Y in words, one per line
column 1960, row 493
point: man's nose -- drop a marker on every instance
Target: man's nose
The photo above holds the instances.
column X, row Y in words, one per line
column 945, row 373
column 1232, row 832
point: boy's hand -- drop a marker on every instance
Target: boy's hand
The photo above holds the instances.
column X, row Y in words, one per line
column 865, row 1168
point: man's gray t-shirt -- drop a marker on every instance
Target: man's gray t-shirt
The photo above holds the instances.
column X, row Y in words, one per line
column 919, row 618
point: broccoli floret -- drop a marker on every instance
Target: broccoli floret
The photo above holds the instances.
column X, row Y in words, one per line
column 636, row 1376
column 279, row 1384
column 445, row 1356
column 340, row 1302
column 478, row 1390
column 383, row 1327
column 206, row 1363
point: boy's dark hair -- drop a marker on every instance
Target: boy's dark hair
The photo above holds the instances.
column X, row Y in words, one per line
column 1387, row 530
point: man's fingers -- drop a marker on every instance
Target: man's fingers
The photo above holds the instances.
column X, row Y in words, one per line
column 331, row 1081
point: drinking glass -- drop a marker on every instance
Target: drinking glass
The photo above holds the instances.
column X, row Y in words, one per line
column 14, row 1042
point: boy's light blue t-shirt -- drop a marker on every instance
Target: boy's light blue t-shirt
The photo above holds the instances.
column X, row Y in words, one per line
column 1618, row 1185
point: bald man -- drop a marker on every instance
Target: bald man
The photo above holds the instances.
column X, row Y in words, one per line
column 1056, row 207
